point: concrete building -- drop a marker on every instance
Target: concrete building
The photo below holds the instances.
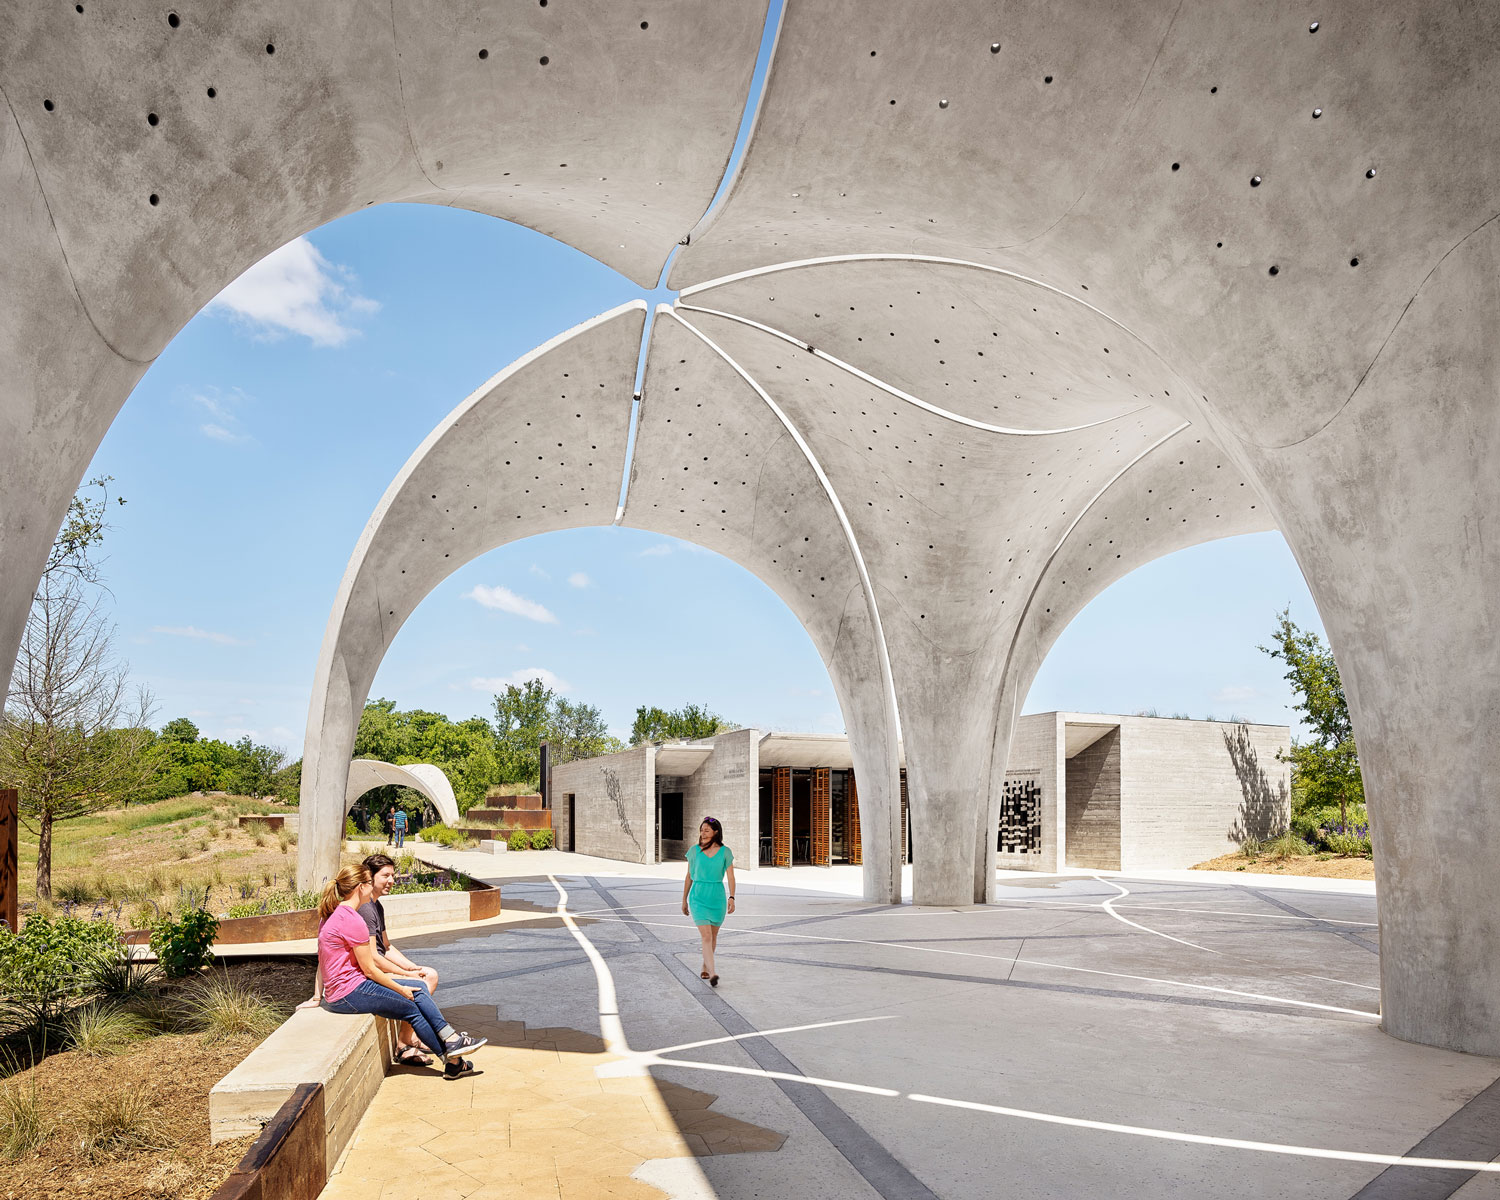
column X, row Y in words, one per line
column 1083, row 791
column 992, row 313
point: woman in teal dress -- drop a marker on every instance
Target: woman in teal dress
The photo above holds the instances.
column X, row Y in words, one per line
column 710, row 867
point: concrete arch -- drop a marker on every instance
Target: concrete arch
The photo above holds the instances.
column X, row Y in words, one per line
column 366, row 774
column 494, row 471
column 1300, row 224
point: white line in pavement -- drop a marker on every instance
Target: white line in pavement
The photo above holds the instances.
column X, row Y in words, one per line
column 1197, row 987
column 755, row 1033
column 1109, row 907
column 610, row 1025
column 1202, row 1139
column 635, row 1060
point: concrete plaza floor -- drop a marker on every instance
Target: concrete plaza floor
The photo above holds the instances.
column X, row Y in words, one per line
column 1082, row 1037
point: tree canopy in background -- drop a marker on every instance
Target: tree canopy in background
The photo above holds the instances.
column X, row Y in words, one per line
column 465, row 750
column 689, row 721
column 1325, row 769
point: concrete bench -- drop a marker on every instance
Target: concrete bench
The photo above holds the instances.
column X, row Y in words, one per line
column 349, row 1056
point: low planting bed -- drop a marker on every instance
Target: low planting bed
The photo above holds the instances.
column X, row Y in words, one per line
column 108, row 1068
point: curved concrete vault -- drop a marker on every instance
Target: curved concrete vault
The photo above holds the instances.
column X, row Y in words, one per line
column 366, row 774
column 1001, row 304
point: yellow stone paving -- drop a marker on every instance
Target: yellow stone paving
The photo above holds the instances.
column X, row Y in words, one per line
column 537, row 1122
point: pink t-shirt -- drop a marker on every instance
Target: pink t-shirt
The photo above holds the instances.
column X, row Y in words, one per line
column 344, row 930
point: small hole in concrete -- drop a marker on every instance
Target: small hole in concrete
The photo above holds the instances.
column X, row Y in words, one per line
column 1313, row 28
column 484, row 54
column 1219, row 245
column 152, row 119
column 270, row 48
column 173, row 20
column 155, row 199
column 1317, row 112
column 942, row 104
column 212, row 92
column 1047, row 79
column 48, row 105
column 1176, row 166
column 1255, row 181
column 994, row 47
column 544, row 60
column 1275, row 271
column 645, row 24
column 1370, row 174
column 1213, row 90
column 77, row 8
column 893, row 102
column 1354, row 262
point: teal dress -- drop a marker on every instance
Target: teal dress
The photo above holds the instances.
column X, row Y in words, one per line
column 708, row 899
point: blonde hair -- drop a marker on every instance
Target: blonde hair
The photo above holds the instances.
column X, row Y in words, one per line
column 340, row 888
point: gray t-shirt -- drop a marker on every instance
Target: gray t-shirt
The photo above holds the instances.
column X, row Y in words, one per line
column 374, row 915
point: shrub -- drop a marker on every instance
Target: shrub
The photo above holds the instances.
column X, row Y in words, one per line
column 45, row 966
column 247, row 887
column 260, row 839
column 119, row 975
column 541, row 839
column 519, row 840
column 184, row 945
column 122, row 1122
column 222, row 1009
column 351, row 830
column 24, row 1124
column 74, row 891
column 183, row 851
column 1250, row 847
column 99, row 1029
column 1349, row 844
column 1288, row 845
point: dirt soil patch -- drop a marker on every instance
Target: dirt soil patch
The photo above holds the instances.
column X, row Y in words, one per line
column 176, row 1071
column 1327, row 868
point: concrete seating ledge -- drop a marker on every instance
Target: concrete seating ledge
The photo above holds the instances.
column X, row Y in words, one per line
column 347, row 1055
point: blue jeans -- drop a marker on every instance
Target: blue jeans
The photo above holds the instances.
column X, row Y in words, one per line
column 400, row 836
column 421, row 1014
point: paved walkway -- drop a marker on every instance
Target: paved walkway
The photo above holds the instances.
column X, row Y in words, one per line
column 1100, row 1037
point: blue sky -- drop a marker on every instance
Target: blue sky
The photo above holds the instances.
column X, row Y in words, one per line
column 253, row 451
column 255, row 448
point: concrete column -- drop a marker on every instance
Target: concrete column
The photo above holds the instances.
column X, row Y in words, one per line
column 822, row 819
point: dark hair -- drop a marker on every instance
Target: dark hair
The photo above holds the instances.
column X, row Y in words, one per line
column 713, row 823
column 376, row 862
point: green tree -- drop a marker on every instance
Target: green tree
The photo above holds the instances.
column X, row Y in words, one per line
column 521, row 724
column 577, row 730
column 690, row 721
column 82, row 533
column 465, row 750
column 179, row 731
column 71, row 741
column 255, row 768
column 1325, row 767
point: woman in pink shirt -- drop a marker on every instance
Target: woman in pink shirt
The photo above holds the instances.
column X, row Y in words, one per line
column 352, row 983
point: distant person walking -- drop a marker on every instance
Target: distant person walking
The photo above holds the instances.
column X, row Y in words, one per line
column 398, row 827
column 710, row 867
column 390, row 824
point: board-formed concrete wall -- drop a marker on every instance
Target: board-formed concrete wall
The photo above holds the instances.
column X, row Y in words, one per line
column 614, row 804
column 727, row 786
column 1193, row 790
column 1036, row 753
column 1218, row 268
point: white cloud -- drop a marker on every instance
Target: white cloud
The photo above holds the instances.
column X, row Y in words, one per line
column 659, row 548
column 204, row 635
column 579, row 580
column 539, row 572
column 222, row 407
column 296, row 290
column 498, row 683
column 505, row 600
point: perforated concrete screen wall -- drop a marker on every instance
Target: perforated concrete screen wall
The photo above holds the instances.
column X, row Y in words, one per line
column 1001, row 304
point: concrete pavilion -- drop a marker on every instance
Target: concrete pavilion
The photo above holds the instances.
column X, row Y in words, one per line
column 1000, row 304
column 1083, row 790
